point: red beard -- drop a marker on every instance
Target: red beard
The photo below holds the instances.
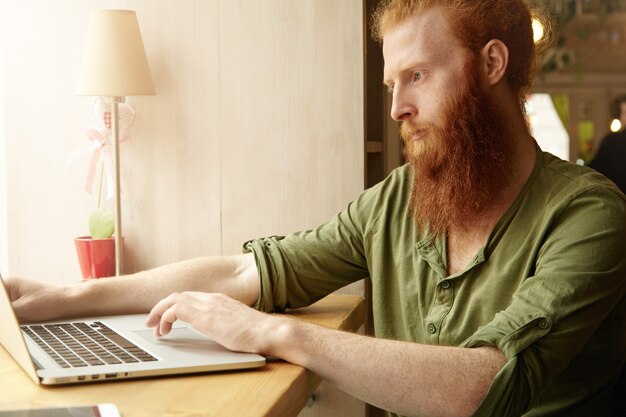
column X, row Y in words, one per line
column 461, row 168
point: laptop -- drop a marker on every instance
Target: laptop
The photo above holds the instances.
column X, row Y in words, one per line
column 110, row 348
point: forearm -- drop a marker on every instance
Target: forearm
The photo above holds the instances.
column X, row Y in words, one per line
column 235, row 276
column 407, row 378
column 137, row 293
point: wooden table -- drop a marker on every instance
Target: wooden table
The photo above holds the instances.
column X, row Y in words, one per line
column 277, row 389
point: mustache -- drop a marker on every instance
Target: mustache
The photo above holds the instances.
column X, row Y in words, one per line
column 408, row 128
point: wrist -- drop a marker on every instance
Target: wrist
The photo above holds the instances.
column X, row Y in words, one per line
column 289, row 339
column 74, row 299
column 67, row 297
column 277, row 335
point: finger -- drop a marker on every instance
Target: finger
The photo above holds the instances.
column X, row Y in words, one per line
column 154, row 317
column 14, row 288
column 195, row 298
column 20, row 307
column 178, row 311
column 167, row 320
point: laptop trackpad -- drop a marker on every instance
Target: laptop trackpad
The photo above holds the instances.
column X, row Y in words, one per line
column 182, row 338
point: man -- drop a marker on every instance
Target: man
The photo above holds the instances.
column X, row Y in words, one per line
column 611, row 157
column 498, row 271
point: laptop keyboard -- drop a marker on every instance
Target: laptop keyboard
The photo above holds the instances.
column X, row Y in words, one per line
column 74, row 345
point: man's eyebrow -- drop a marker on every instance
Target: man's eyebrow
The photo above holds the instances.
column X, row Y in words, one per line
column 411, row 66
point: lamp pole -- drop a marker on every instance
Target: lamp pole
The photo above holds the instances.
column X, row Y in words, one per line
column 114, row 101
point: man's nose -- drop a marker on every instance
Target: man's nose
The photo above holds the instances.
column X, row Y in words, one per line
column 402, row 107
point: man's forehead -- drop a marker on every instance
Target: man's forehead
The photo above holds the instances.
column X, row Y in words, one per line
column 425, row 36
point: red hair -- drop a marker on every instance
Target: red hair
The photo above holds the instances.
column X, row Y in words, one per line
column 474, row 23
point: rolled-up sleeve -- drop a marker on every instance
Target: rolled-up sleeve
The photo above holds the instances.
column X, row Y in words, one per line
column 579, row 280
column 301, row 268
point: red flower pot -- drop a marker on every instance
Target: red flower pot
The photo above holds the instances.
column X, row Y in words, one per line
column 96, row 256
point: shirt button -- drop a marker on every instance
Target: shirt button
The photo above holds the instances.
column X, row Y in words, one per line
column 543, row 324
column 446, row 284
column 432, row 329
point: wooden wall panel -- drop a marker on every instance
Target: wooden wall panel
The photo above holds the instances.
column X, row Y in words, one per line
column 292, row 114
column 170, row 166
column 44, row 122
column 174, row 178
column 4, row 260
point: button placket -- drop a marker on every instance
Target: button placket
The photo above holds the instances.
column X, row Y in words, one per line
column 442, row 303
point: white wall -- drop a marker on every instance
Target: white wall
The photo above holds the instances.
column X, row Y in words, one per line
column 256, row 128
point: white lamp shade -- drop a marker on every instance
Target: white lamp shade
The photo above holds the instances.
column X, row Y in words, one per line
column 114, row 61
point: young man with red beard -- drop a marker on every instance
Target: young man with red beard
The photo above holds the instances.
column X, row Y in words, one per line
column 498, row 271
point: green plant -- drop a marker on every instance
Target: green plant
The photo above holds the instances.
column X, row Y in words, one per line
column 101, row 221
column 101, row 224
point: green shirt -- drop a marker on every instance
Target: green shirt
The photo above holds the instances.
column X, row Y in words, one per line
column 547, row 288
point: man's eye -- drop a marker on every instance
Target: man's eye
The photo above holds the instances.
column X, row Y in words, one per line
column 417, row 76
column 390, row 89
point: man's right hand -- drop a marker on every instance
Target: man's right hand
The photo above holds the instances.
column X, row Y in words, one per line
column 34, row 300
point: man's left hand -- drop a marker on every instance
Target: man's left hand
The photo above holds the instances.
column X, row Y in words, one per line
column 230, row 323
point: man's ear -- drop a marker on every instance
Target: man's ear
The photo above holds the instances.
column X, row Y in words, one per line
column 495, row 56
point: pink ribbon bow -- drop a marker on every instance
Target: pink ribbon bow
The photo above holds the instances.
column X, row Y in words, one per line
column 100, row 140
